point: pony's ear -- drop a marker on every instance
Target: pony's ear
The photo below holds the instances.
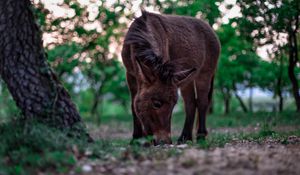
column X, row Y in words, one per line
column 144, row 12
column 180, row 77
column 145, row 73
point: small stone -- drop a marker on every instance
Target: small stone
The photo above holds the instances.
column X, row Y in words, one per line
column 122, row 149
column 182, row 146
column 88, row 153
column 86, row 168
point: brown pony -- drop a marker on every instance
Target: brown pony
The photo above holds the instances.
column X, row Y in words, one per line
column 162, row 53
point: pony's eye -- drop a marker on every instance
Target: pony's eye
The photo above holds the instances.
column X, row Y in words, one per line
column 157, row 104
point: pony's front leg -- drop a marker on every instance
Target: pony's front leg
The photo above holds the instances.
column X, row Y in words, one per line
column 137, row 128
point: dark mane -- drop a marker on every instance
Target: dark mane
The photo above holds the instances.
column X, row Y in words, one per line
column 143, row 42
column 139, row 36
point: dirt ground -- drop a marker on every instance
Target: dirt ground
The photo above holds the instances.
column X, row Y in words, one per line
column 241, row 157
column 268, row 156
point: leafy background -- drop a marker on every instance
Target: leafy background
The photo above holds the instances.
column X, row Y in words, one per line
column 83, row 40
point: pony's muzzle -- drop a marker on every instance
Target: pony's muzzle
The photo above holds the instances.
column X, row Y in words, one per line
column 162, row 138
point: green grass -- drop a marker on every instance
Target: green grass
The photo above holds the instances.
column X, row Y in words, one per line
column 31, row 147
column 26, row 147
column 219, row 140
column 234, row 120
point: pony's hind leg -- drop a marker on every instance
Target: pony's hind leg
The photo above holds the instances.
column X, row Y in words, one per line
column 204, row 88
column 188, row 95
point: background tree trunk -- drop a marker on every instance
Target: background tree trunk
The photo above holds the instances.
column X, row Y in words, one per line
column 97, row 101
column 293, row 59
column 280, row 105
column 251, row 99
column 24, row 68
column 278, row 90
column 244, row 107
column 227, row 105
column 226, row 97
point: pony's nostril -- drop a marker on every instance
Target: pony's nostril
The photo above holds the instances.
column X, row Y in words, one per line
column 162, row 138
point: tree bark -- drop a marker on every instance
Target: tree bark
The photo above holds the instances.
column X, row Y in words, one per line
column 24, row 68
column 293, row 59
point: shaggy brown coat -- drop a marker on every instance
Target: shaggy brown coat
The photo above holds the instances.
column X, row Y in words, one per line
column 162, row 53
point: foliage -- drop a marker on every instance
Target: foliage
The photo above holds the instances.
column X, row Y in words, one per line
column 274, row 23
column 85, row 45
column 7, row 105
column 85, row 41
column 83, row 58
column 206, row 9
column 238, row 62
column 266, row 20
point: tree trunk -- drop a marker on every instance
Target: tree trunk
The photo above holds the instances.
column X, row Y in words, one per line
column 227, row 105
column 280, row 105
column 293, row 59
column 97, row 101
column 24, row 68
column 244, row 107
column 95, row 104
column 278, row 89
column 251, row 99
column 226, row 98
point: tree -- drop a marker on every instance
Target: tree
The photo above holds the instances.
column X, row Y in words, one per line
column 205, row 9
column 237, row 65
column 266, row 22
column 85, row 47
column 273, row 77
column 24, row 68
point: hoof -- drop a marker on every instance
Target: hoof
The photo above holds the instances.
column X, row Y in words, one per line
column 183, row 140
column 134, row 142
column 201, row 137
column 141, row 142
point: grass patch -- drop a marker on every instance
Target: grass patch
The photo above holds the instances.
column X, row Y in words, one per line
column 28, row 147
column 219, row 140
column 234, row 120
column 31, row 147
